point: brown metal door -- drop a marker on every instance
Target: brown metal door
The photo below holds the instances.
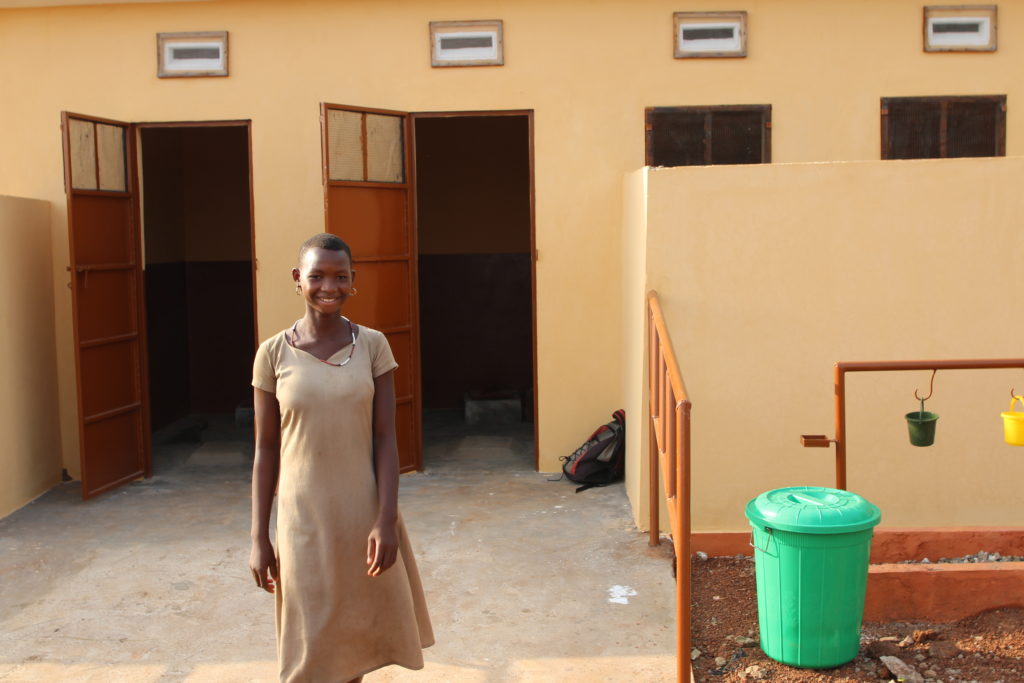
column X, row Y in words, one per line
column 368, row 200
column 107, row 302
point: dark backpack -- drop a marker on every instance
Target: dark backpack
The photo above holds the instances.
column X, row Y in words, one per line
column 602, row 458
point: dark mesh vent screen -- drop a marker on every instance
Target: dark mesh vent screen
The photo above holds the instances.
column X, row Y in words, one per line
column 197, row 53
column 708, row 33
column 695, row 137
column 464, row 43
column 972, row 129
column 914, row 130
column 958, row 27
column 736, row 137
column 677, row 138
column 936, row 127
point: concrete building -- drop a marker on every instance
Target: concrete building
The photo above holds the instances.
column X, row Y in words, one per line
column 523, row 221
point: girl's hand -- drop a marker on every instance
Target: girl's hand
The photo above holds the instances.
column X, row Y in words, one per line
column 263, row 564
column 381, row 548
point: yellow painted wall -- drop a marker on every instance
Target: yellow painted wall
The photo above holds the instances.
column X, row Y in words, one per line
column 587, row 70
column 31, row 455
column 770, row 274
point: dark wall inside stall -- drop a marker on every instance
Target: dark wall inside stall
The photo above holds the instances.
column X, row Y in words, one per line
column 198, row 269
column 473, row 190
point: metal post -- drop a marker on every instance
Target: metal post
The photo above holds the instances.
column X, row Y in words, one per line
column 840, row 401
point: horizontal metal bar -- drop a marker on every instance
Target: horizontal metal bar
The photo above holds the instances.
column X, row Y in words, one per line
column 962, row 364
column 112, row 194
column 90, row 492
column 368, row 184
column 103, row 341
column 93, row 267
column 113, row 412
column 229, row 123
column 381, row 259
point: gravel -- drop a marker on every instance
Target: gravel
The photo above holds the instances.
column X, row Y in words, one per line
column 987, row 648
column 980, row 556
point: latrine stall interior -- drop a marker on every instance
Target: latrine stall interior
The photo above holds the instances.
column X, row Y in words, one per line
column 198, row 260
column 475, row 282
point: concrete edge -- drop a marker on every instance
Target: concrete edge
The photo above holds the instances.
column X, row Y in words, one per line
column 893, row 544
column 941, row 593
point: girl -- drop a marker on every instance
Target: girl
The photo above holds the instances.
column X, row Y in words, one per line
column 347, row 593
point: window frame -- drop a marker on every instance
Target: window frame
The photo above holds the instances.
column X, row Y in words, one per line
column 944, row 101
column 708, row 111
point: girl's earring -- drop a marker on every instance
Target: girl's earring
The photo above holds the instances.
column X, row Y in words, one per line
column 298, row 289
column 353, row 292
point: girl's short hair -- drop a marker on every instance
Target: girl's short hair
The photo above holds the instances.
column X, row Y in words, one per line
column 324, row 240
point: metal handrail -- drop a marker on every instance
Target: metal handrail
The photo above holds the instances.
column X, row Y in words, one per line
column 669, row 452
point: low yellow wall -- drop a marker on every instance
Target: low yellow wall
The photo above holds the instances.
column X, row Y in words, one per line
column 770, row 274
column 634, row 365
column 31, row 455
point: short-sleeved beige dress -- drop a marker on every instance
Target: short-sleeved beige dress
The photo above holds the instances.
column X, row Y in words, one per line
column 334, row 622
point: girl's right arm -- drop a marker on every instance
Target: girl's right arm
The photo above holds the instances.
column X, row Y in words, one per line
column 265, row 468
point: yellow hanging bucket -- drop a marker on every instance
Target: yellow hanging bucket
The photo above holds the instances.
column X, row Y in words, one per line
column 1013, row 423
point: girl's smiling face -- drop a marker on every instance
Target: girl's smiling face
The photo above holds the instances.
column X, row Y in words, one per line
column 326, row 277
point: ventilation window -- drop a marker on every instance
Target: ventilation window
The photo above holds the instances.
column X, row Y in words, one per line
column 466, row 43
column 97, row 156
column 960, row 29
column 943, row 127
column 710, row 34
column 201, row 53
column 365, row 147
column 700, row 136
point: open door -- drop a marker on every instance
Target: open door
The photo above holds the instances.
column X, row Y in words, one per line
column 106, row 296
column 368, row 203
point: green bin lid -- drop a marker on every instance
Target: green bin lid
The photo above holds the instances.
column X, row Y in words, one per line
column 813, row 510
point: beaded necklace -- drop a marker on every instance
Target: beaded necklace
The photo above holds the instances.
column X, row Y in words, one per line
column 351, row 332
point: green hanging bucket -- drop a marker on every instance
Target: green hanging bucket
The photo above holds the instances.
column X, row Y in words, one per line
column 921, row 426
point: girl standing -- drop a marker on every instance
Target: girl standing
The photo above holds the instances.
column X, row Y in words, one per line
column 348, row 595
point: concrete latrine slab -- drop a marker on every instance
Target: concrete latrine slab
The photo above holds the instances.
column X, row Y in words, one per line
column 525, row 579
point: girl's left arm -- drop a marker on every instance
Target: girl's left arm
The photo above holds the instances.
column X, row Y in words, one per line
column 382, row 545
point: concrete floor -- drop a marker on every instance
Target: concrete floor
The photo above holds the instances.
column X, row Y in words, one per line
column 526, row 580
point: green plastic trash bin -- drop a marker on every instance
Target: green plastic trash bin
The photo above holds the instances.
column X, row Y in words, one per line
column 811, row 550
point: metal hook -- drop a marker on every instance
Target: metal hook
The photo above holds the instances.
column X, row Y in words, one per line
column 931, row 388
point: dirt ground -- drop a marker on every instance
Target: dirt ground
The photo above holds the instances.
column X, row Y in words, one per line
column 986, row 648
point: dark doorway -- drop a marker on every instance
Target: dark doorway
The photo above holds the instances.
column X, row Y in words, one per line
column 475, row 232
column 197, row 229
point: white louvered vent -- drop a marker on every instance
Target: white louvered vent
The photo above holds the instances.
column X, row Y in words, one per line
column 192, row 54
column 466, row 43
column 710, row 34
column 961, row 28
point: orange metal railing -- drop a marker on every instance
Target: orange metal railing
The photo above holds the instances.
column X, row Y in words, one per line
column 670, row 454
